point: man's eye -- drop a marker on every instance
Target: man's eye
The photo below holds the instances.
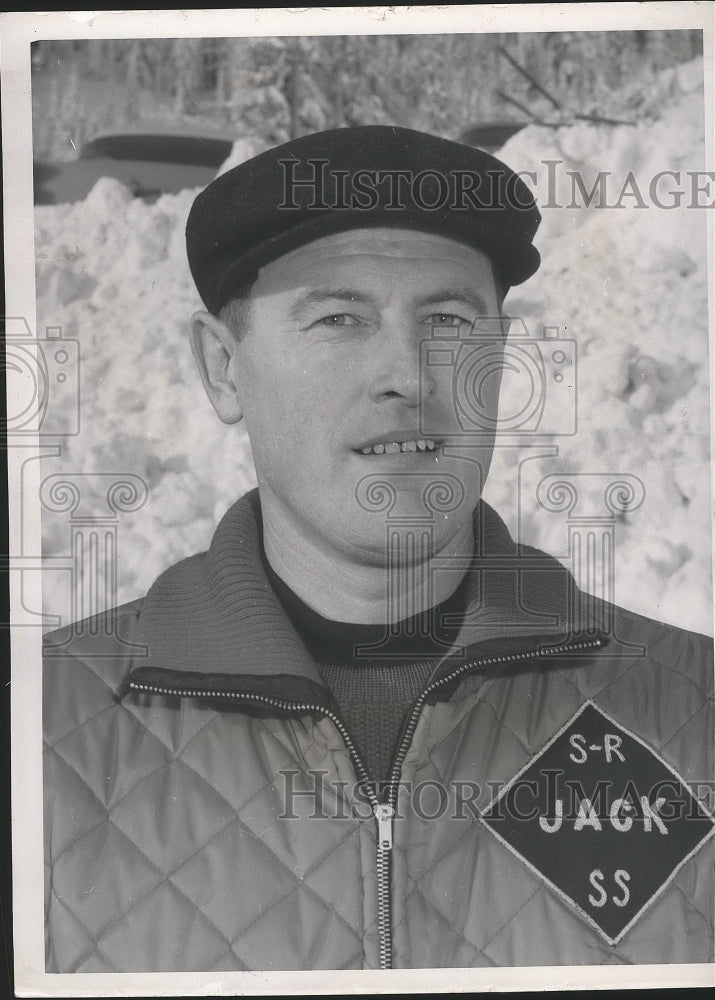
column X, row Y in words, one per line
column 337, row 319
column 445, row 319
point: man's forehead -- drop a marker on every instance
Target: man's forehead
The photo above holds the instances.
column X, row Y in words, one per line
column 374, row 254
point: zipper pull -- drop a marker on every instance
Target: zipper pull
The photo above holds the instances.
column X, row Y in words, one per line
column 384, row 815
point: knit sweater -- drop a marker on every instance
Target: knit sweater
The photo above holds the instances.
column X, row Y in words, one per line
column 375, row 672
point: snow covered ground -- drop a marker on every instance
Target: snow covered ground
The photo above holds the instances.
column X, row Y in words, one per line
column 627, row 284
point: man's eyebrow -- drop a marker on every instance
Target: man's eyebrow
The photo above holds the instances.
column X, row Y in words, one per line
column 466, row 296
column 320, row 295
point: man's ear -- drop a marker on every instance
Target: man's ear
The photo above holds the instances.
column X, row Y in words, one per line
column 213, row 345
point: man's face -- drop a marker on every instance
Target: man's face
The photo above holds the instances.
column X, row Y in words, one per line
column 328, row 378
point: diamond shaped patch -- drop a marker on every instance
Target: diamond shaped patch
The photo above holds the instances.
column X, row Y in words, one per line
column 602, row 818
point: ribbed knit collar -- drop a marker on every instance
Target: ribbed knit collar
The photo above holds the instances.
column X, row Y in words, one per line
column 216, row 613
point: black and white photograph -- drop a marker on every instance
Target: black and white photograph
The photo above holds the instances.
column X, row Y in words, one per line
column 360, row 492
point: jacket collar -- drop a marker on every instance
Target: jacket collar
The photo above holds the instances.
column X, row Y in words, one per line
column 216, row 614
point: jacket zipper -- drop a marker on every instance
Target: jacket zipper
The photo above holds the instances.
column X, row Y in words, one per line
column 408, row 732
column 384, row 812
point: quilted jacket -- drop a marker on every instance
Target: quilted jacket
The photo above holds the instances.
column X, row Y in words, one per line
column 207, row 810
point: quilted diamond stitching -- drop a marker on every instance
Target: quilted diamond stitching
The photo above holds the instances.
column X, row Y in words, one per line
column 247, row 802
column 134, row 902
column 451, row 930
column 79, row 726
column 134, row 844
column 286, row 871
column 112, row 690
column 243, row 821
column 651, row 738
column 666, row 666
column 308, row 888
column 266, row 784
column 615, row 958
column 102, row 807
column 482, row 700
column 137, row 712
column 88, row 663
column 418, row 888
column 201, row 778
column 165, row 878
column 303, row 882
column 123, row 727
column 537, row 890
column 679, row 673
column 298, row 883
column 157, row 875
column 235, row 945
column 530, row 743
column 93, row 963
column 217, row 966
column 673, row 736
column 640, row 936
column 469, row 829
column 92, row 944
column 318, row 865
column 216, row 797
column 601, row 691
column 95, row 797
column 56, row 749
column 593, row 941
column 687, row 902
column 235, row 809
column 350, row 831
column 572, row 678
column 193, row 909
column 239, row 810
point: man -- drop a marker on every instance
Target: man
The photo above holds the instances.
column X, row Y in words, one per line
column 366, row 728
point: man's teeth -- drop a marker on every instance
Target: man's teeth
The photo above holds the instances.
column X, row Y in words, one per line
column 392, row 447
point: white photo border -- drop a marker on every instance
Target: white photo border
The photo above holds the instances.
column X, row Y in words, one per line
column 18, row 30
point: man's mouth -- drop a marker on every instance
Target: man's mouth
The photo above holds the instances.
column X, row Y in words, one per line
column 394, row 447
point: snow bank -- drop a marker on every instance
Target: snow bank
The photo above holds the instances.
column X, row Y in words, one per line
column 628, row 285
column 112, row 272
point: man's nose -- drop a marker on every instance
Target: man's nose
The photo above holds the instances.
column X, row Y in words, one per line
column 398, row 370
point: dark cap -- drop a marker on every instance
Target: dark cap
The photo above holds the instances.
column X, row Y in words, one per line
column 370, row 175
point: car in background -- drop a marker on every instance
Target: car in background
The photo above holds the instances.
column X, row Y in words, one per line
column 491, row 135
column 152, row 163
column 149, row 163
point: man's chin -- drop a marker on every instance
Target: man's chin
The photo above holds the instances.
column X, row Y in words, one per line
column 439, row 492
column 411, row 537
